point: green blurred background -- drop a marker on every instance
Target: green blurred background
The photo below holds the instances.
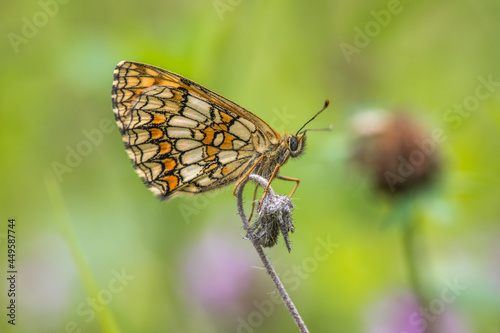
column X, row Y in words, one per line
column 96, row 251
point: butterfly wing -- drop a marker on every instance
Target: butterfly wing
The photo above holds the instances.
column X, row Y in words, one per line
column 180, row 136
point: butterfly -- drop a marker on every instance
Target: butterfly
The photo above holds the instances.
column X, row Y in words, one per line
column 183, row 138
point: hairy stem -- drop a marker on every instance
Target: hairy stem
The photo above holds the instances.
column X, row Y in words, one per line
column 269, row 268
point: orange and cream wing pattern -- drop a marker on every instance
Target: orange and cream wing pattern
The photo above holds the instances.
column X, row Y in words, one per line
column 180, row 136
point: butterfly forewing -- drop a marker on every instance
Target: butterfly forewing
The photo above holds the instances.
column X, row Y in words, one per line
column 181, row 136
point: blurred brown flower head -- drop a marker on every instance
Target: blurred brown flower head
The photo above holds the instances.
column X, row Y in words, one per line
column 395, row 150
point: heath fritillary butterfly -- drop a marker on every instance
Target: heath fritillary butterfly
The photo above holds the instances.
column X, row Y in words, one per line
column 184, row 138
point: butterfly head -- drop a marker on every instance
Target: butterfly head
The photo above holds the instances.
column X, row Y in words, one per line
column 297, row 142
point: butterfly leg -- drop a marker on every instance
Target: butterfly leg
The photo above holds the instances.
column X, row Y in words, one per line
column 296, row 180
column 276, row 168
column 261, row 158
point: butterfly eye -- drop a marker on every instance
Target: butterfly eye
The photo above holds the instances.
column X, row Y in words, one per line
column 294, row 144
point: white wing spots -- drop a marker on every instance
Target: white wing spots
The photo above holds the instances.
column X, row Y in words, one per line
column 219, row 137
column 217, row 173
column 133, row 154
column 183, row 122
column 248, row 148
column 204, row 181
column 237, row 144
column 186, row 144
column 129, row 81
column 239, row 130
column 137, row 119
column 170, row 106
column 190, row 172
column 179, row 133
column 227, row 156
column 259, row 142
column 146, row 102
column 248, row 124
column 155, row 190
column 198, row 135
column 159, row 91
column 193, row 156
column 123, row 95
column 136, row 136
column 135, row 81
column 141, row 104
column 127, row 70
column 142, row 153
column 149, row 171
column 195, row 115
column 215, row 116
column 121, row 110
column 191, row 188
column 198, row 105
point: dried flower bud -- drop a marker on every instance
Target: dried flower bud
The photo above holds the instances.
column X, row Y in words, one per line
column 275, row 215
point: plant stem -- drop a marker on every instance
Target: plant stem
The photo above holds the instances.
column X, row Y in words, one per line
column 412, row 260
column 104, row 317
column 269, row 268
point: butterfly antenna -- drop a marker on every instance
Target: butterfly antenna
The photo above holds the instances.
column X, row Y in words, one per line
column 323, row 109
column 329, row 128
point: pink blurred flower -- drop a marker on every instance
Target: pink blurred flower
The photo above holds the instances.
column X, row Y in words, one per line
column 218, row 273
column 401, row 313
